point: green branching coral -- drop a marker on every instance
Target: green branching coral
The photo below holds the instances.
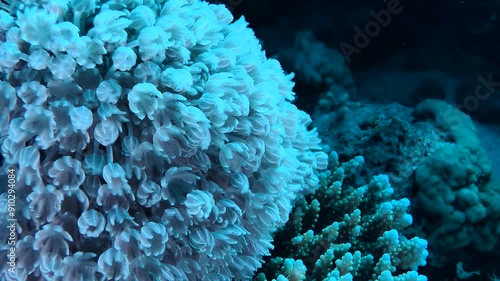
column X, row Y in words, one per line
column 345, row 232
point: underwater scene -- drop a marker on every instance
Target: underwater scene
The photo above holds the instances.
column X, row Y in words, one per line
column 221, row 140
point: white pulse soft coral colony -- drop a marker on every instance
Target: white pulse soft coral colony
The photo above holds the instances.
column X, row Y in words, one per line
column 153, row 140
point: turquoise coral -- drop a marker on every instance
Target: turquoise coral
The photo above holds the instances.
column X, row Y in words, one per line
column 344, row 232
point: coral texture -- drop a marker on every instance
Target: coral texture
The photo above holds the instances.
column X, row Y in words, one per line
column 391, row 141
column 150, row 139
column 457, row 198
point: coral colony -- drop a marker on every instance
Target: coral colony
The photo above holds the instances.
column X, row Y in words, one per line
column 154, row 140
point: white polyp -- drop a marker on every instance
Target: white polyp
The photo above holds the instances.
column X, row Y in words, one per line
column 109, row 153
column 110, row 72
column 24, row 57
column 95, row 145
column 132, row 44
column 130, row 129
column 53, row 151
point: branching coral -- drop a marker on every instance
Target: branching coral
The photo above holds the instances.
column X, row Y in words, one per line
column 345, row 232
